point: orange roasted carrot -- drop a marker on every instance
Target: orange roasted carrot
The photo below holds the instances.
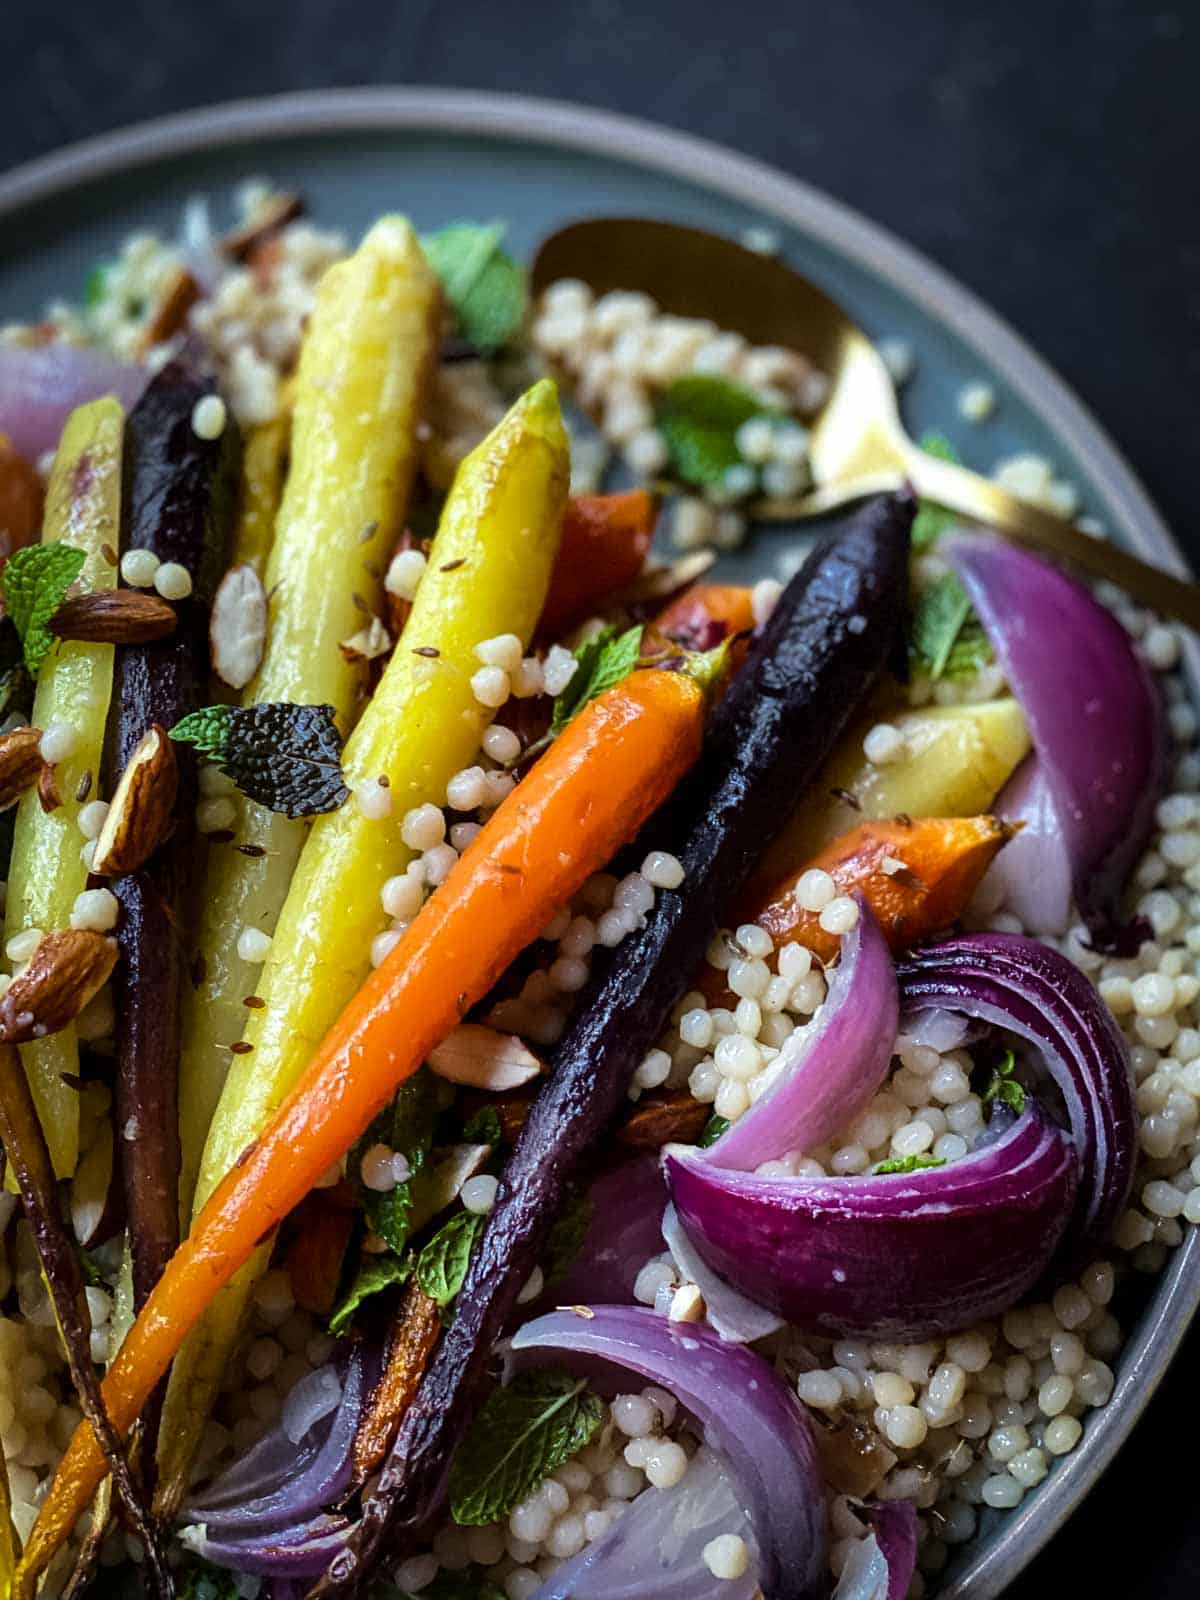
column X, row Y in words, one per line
column 917, row 877
column 602, row 777
column 604, row 541
column 707, row 613
column 413, row 1335
column 21, row 496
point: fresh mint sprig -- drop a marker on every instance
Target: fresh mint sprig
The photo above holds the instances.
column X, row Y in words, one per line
column 286, row 757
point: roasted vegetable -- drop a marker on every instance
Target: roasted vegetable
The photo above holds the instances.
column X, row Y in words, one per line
column 605, row 538
column 917, row 875
column 178, row 503
column 47, row 871
column 487, row 575
column 599, row 781
column 29, row 1157
column 20, row 500
column 411, row 1341
column 955, row 760
column 321, row 1231
column 264, row 471
column 705, row 614
column 359, row 389
column 823, row 650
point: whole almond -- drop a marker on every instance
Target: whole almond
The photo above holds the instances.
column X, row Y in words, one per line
column 114, row 616
column 237, row 630
column 65, row 971
column 139, row 818
column 669, row 1117
column 20, row 763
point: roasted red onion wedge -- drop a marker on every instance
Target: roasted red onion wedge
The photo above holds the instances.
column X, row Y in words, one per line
column 900, row 1257
column 1095, row 716
column 750, row 1417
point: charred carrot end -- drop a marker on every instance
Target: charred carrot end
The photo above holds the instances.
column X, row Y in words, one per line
column 917, row 876
column 413, row 1337
column 707, row 613
column 605, row 538
column 600, row 780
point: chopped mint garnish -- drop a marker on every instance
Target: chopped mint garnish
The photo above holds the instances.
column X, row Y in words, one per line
column 603, row 661
column 931, row 521
column 484, row 1127
column 442, row 1264
column 375, row 1274
column 286, row 757
column 523, row 1433
column 907, row 1164
column 698, row 417
column 35, row 584
column 947, row 638
column 566, row 1237
column 1003, row 1087
column 712, row 1131
column 406, row 1126
column 95, row 286
column 483, row 284
column 200, row 1581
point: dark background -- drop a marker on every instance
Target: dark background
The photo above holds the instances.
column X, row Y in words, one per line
column 1044, row 151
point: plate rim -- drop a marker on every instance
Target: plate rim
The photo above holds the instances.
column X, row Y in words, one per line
column 707, row 164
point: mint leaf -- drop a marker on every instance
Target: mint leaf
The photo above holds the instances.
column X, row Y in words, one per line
column 522, row 1435
column 712, row 1131
column 603, row 661
column 931, row 521
column 442, row 1264
column 566, row 1237
column 95, row 286
column 35, row 583
column 907, row 1164
column 286, row 757
column 407, row 1125
column 698, row 417
column 483, row 284
column 375, row 1274
column 200, row 1581
column 1003, row 1087
column 947, row 638
column 484, row 1127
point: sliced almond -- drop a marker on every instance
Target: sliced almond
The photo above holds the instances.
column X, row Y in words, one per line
column 438, row 1183
column 66, row 969
column 179, row 295
column 114, row 616
column 484, row 1058
column 20, row 763
column 270, row 217
column 139, row 818
column 48, row 793
column 368, row 643
column 237, row 632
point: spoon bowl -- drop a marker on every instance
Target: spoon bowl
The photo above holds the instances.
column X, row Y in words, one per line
column 858, row 442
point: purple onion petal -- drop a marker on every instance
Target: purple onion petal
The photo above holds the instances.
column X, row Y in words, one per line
column 1094, row 714
column 41, row 386
column 902, row 1257
column 749, row 1415
column 1030, row 989
column 623, row 1232
column 302, row 1552
column 828, row 1072
column 729, row 1313
column 1031, row 877
column 897, row 1530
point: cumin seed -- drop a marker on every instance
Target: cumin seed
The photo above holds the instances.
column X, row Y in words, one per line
column 241, row 1048
column 84, row 787
column 453, row 566
column 254, row 1001
column 429, row 651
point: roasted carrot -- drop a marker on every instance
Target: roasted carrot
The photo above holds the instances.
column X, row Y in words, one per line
column 917, row 876
column 705, row 614
column 600, row 780
column 323, row 1225
column 413, row 1334
column 21, row 497
column 605, row 538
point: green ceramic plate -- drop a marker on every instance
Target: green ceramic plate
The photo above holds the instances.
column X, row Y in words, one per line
column 440, row 155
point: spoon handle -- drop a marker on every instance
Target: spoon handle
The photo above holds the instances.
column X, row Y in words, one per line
column 970, row 495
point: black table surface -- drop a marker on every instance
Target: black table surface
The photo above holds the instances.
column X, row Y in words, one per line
column 1044, row 151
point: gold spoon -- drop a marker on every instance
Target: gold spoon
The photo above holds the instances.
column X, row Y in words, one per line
column 858, row 443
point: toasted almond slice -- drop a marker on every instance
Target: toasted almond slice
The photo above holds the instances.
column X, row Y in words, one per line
column 179, row 295
column 437, row 1184
column 368, row 643
column 65, row 971
column 237, row 632
column 114, row 616
column 277, row 212
column 139, row 818
column 20, row 764
column 483, row 1058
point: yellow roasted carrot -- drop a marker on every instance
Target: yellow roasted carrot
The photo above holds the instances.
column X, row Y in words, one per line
column 74, row 688
column 363, row 367
column 488, row 574
column 264, row 468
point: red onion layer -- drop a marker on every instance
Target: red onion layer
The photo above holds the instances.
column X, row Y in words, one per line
column 41, row 386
